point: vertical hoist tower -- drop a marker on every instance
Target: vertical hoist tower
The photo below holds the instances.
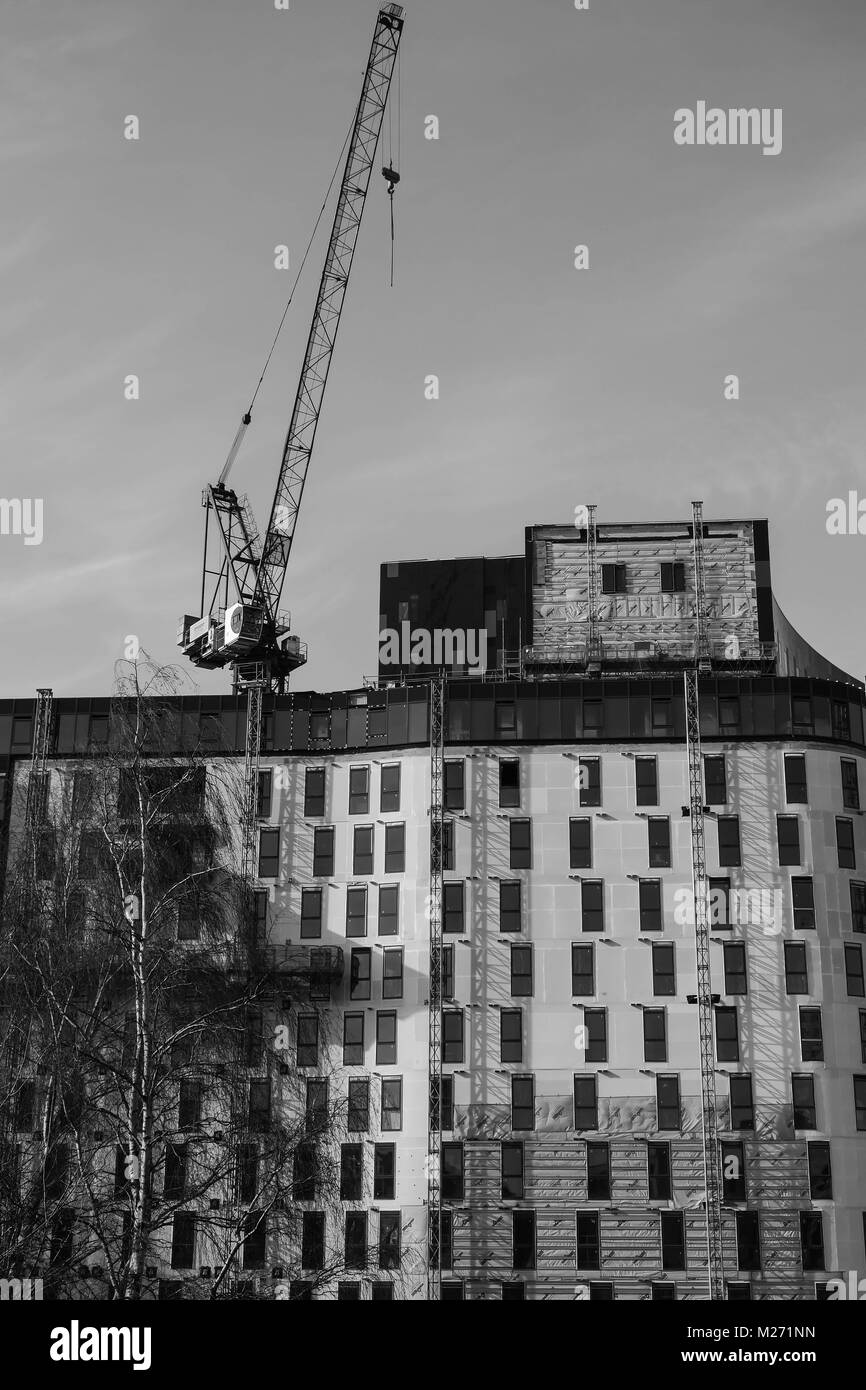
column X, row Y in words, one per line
column 434, row 1008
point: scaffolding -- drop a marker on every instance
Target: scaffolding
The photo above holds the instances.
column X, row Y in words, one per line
column 434, row 1000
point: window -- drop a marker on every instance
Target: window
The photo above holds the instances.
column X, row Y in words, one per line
column 845, row 843
column 523, row 1102
column 510, row 918
column 505, row 717
column 742, row 1104
column 511, row 1035
column 362, row 855
column 392, row 974
column 729, row 713
column 788, row 835
column 727, row 1040
column 820, row 1175
column 592, row 904
column 795, row 779
column 715, row 780
column 659, row 834
column 862, row 1036
column 389, row 788
column 446, row 1233
column 264, row 798
column 308, row 1040
column 174, row 1183
column 359, row 791
column 673, row 1240
column 356, row 911
column 392, row 1103
column 598, row 1171
column 586, row 1103
column 729, row 841
column 595, row 1023
column 359, row 1100
column 580, row 843
column 389, row 910
column 840, row 720
column 356, row 1241
column 590, row 781
column 447, row 972
column 803, row 903
column 359, row 978
column 803, row 1097
column 452, row 1035
column 384, row 1170
column 739, row 1293
column 447, row 1104
column 351, row 1172
column 353, row 1040
column 588, row 1253
column 382, row 1292
column 582, row 971
column 452, row 1291
column 316, row 1113
column 389, row 1240
column 811, row 1035
column 520, row 834
column 448, row 846
column 668, row 1102
column 854, row 971
column 858, row 906
column 658, row 1162
column 455, row 790
column 859, row 1102
column 311, row 913
column 247, row 1172
column 673, row 577
column 796, row 968
column 512, row 1171
column 733, row 1171
column 314, row 791
column 650, row 904
column 395, row 849
column 386, row 1038
column 453, row 908
column 523, row 1239
column 663, row 1293
column 323, row 851
column 320, row 973
column 260, row 915
column 613, row 579
column 664, row 977
column 513, row 1293
column 452, row 1172
column 189, row 1105
column 646, row 781
column 850, row 785
column 269, row 853
column 719, row 902
column 812, row 1239
column 655, row 1042
column 509, row 782
column 183, row 1240
column 748, row 1240
column 521, row 971
column 736, row 981
column 801, row 714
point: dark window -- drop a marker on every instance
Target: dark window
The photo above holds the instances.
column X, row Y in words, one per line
column 668, row 1102
column 308, row 1040
column 796, row 968
column 803, row 1096
column 858, row 906
column 313, row 1240
column 512, row 1171
column 803, row 902
column 320, row 973
column 733, row 1171
column 323, row 851
column 739, row 1293
column 382, row 1292
column 505, row 718
column 662, row 717
column 392, row 1103
column 183, row 1240
column 788, row 834
column 448, row 847
column 523, row 1102
column 447, row 972
column 845, row 843
column 389, row 788
column 850, row 785
column 811, row 1035
column 455, row 791
column 189, row 1107
column 260, row 915
column 585, row 1103
column 664, row 977
column 658, row 1160
column 452, row 1035
column 452, row 1291
column 359, row 977
column 521, row 971
column 259, row 1102
column 389, row 910
column 580, row 843
column 510, row 905
column 356, row 911
column 862, row 1036
column 595, row 1023
column 511, row 1035
column 663, row 1293
column 265, row 795
column 356, row 1240
column 655, row 1042
column 359, row 1103
column 590, row 781
column 673, row 1240
column 646, row 781
column 452, row 1172
column 316, row 1112
column 386, row 1038
column 650, row 904
column 509, row 782
column 314, row 791
column 384, row 1169
column 392, row 974
column 395, row 849
column 859, row 1102
column 520, row 835
column 729, row 713
column 748, row 1240
column 598, row 1172
column 523, row 1239
column 729, row 841
column 513, row 1293
column 588, row 1253
column 840, row 720
column 820, row 1174
column 269, row 853
column 673, row 577
column 719, row 902
column 801, row 714
column 454, row 918
column 812, row 1240
column 362, row 854
column 736, row 981
column 592, row 904
column 659, row 835
column 613, row 579
column 715, row 780
column 359, row 791
column 353, row 1040
column 742, row 1104
column 447, row 1104
column 854, row 971
column 389, row 1240
column 446, row 1232
column 727, row 1040
column 796, row 792
column 582, row 971
column 247, row 1172
column 311, row 912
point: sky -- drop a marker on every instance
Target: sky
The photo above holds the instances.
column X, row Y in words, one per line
column 557, row 386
